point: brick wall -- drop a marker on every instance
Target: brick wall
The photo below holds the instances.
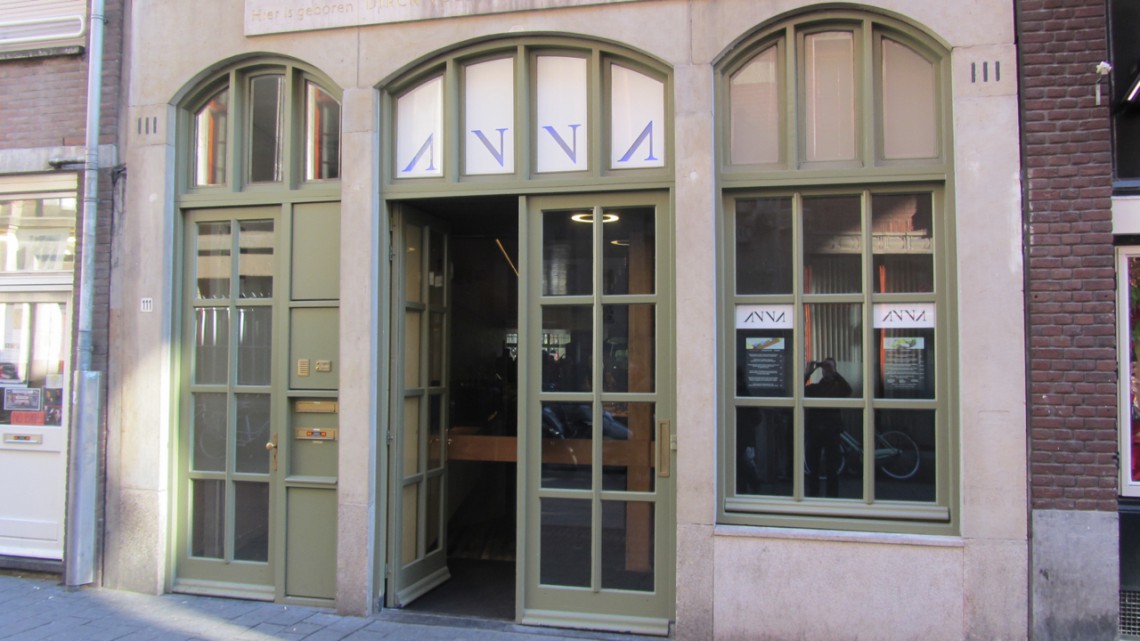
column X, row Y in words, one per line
column 43, row 101
column 1070, row 269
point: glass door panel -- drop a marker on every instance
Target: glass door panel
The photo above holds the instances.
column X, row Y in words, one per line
column 229, row 432
column 600, row 503
column 420, row 320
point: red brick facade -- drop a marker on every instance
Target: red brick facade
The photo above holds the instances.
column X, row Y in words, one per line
column 1070, row 265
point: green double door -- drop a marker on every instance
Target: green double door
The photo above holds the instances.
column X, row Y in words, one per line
column 595, row 499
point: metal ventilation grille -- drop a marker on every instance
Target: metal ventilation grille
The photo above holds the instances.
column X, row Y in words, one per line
column 1129, row 613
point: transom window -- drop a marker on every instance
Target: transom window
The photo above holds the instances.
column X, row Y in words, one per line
column 543, row 108
column 864, row 94
column 276, row 123
column 836, row 270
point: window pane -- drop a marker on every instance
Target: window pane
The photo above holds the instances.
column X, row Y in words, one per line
column 15, row 324
column 322, row 134
column 412, row 349
column 829, row 79
column 637, row 119
column 833, row 245
column 628, row 453
column 437, row 269
column 764, row 359
column 629, row 250
column 628, row 348
column 251, row 522
column 905, row 363
column 252, row 433
column 1126, row 103
column 489, row 112
column 212, row 345
column 409, row 549
column 833, row 448
column 413, row 263
column 567, row 430
column 567, row 356
column 419, row 131
column 627, row 545
column 255, row 258
column 764, row 441
column 210, row 131
column 833, row 345
column 567, row 253
column 564, row 542
column 903, row 237
column 215, row 246
column 561, row 114
column 411, row 435
column 910, row 123
column 755, row 118
column 37, row 234
column 208, row 519
column 267, row 113
column 255, row 345
column 209, row 432
column 764, row 246
column 904, row 455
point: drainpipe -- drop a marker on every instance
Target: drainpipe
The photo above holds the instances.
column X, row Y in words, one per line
column 82, row 477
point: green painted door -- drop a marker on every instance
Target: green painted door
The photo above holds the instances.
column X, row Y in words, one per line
column 417, row 554
column 230, row 422
column 599, row 502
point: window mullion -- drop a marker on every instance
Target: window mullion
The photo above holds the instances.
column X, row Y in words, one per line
column 799, row 347
column 870, row 352
column 791, row 90
column 865, row 82
column 235, row 150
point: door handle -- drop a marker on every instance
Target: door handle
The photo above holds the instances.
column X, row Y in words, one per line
column 664, row 448
column 271, row 447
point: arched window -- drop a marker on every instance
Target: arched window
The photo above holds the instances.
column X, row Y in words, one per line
column 837, row 297
column 535, row 108
column 268, row 124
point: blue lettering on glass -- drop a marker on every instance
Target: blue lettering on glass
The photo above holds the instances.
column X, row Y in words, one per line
column 645, row 133
column 498, row 154
column 572, row 153
column 426, row 148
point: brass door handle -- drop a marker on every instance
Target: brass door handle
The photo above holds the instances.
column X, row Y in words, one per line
column 271, row 447
column 664, row 448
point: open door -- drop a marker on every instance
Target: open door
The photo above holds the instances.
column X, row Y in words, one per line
column 417, row 553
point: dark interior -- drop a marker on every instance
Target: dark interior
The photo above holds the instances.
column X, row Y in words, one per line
column 483, row 399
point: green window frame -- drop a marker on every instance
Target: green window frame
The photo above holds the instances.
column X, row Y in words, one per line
column 438, row 101
column 836, row 263
column 268, row 125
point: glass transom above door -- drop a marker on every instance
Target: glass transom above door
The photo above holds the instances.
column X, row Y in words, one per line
column 561, row 111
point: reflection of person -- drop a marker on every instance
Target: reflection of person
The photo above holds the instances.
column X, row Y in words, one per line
column 823, row 426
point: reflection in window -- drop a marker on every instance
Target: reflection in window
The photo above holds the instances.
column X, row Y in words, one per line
column 322, row 134
column 32, row 360
column 210, row 136
column 215, row 249
column 763, row 236
column 903, row 239
column 267, row 115
column 833, row 245
column 37, row 234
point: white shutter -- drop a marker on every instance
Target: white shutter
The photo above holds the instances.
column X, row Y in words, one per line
column 34, row 24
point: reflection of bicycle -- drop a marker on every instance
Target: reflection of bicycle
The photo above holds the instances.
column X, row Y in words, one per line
column 896, row 454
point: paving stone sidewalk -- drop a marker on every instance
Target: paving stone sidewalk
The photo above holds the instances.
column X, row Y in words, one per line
column 37, row 608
